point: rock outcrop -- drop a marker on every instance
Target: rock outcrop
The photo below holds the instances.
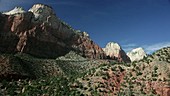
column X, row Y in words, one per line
column 40, row 33
column 136, row 54
column 114, row 51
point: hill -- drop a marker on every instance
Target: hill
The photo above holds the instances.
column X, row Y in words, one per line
column 149, row 76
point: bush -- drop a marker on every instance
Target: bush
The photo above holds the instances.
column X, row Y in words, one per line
column 57, row 86
column 139, row 73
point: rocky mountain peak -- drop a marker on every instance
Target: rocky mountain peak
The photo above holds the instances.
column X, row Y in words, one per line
column 44, row 14
column 41, row 10
column 16, row 10
column 136, row 54
column 113, row 50
column 41, row 33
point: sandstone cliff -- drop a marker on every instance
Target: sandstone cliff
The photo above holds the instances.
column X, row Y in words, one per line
column 114, row 51
column 41, row 33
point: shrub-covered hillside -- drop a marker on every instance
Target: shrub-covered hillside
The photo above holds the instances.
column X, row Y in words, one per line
column 77, row 76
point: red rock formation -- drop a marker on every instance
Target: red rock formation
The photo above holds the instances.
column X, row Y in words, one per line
column 83, row 44
column 43, row 35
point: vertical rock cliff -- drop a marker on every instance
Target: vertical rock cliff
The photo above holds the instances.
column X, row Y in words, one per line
column 41, row 33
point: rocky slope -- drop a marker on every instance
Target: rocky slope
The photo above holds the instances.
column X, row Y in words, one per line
column 24, row 66
column 78, row 76
column 41, row 33
column 148, row 77
column 22, row 74
column 114, row 51
column 136, row 54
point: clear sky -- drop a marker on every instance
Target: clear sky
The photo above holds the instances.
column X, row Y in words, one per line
column 131, row 23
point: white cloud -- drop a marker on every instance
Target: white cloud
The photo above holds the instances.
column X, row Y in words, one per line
column 151, row 48
column 129, row 47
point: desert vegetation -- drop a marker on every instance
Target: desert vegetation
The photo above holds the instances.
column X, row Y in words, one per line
column 74, row 75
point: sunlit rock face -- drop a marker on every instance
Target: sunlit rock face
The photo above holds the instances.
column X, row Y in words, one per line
column 41, row 11
column 44, row 14
column 41, row 33
column 114, row 51
column 16, row 10
column 136, row 54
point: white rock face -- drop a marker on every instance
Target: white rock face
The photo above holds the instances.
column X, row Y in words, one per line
column 44, row 13
column 112, row 49
column 41, row 11
column 137, row 54
column 14, row 11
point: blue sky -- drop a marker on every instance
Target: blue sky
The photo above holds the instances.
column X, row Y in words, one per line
column 131, row 23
